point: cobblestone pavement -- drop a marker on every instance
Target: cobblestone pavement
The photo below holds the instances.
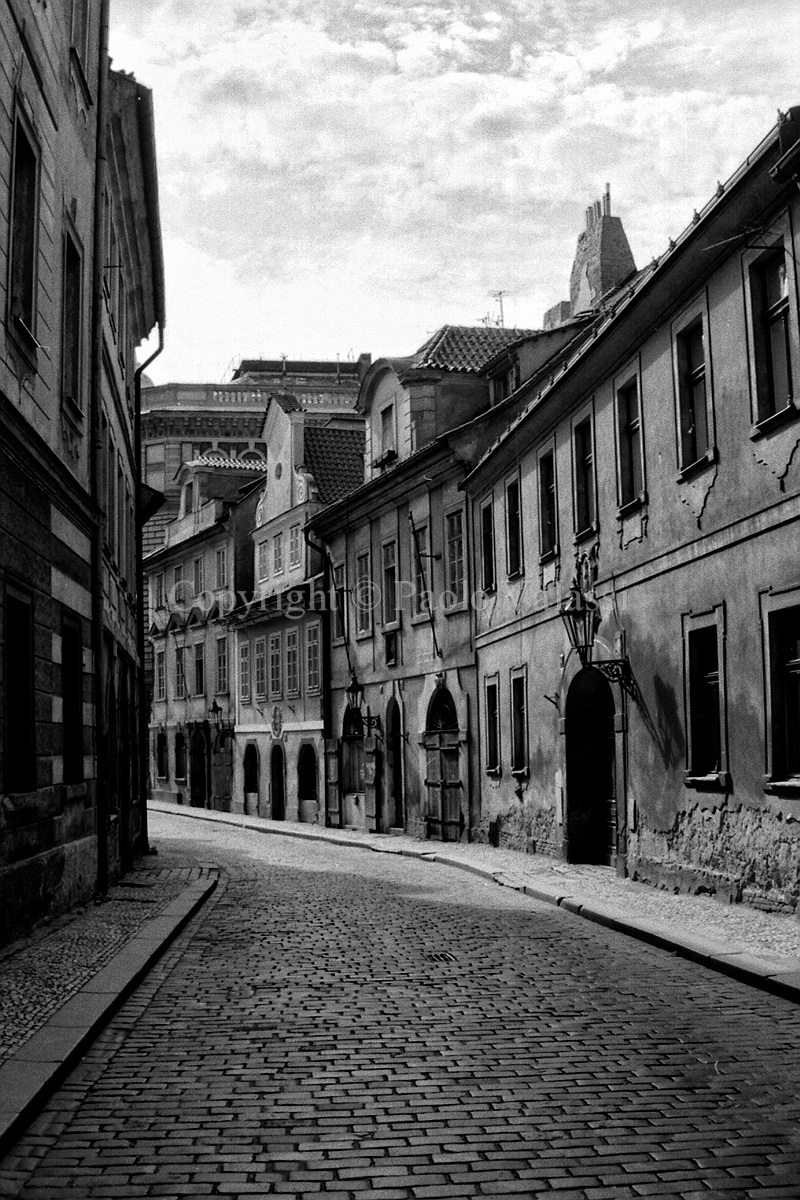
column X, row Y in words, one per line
column 39, row 973
column 368, row 1026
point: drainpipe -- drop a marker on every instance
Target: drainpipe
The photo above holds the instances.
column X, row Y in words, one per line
column 325, row 655
column 144, row 731
column 95, row 461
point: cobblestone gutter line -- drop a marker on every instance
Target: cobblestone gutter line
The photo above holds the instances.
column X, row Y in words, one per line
column 67, row 984
column 757, row 948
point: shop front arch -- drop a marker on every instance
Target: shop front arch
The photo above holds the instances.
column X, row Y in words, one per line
column 277, row 775
column 198, row 782
column 394, row 765
column 307, row 782
column 591, row 770
column 444, row 818
column 250, row 771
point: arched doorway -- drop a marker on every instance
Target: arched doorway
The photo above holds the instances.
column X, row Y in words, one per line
column 307, row 786
column 277, row 784
column 180, row 755
column 250, row 766
column 444, row 818
column 198, row 783
column 394, row 765
column 591, row 770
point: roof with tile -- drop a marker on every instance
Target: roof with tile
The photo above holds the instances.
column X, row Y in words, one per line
column 335, row 457
column 465, row 347
column 258, row 466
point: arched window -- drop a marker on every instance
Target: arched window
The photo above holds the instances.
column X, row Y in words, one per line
column 353, row 750
column 180, row 755
column 161, row 756
column 442, row 712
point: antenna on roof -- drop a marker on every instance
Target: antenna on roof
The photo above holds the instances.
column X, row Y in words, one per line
column 498, row 296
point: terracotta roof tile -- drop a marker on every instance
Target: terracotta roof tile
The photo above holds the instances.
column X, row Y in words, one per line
column 335, row 457
column 465, row 347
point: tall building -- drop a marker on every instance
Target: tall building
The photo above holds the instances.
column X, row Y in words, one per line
column 84, row 286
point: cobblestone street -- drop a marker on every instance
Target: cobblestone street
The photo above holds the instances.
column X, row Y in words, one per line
column 367, row 1025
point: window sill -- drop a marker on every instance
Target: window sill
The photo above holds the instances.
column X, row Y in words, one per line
column 775, row 420
column 718, row 781
column 698, row 466
column 490, row 591
column 390, row 627
column 513, row 576
column 73, row 412
column 77, row 65
column 520, row 773
column 421, row 618
column 583, row 535
column 632, row 506
column 494, row 772
column 364, row 635
column 783, row 787
column 548, row 556
column 454, row 609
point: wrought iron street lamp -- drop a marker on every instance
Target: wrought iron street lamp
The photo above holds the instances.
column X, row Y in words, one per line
column 355, row 698
column 581, row 617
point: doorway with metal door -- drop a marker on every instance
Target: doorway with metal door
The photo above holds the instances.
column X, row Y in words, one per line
column 198, row 783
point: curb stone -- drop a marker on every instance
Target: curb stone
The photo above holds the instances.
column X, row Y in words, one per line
column 30, row 1075
column 726, row 959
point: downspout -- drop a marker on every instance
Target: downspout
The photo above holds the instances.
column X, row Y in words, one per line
column 144, row 729
column 95, row 460
column 325, row 657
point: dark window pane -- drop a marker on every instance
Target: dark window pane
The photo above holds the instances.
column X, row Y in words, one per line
column 514, row 529
column 492, row 730
column 704, row 701
column 487, row 546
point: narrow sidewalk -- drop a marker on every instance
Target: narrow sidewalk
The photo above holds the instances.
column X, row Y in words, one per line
column 62, row 983
column 758, row 948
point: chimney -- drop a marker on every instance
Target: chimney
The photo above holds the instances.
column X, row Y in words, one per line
column 603, row 258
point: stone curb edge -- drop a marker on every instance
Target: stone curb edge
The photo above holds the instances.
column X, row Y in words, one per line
column 737, row 964
column 37, row 1068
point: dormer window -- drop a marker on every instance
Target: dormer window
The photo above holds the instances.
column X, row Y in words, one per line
column 388, row 445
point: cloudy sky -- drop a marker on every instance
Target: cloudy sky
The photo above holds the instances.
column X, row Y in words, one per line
column 342, row 176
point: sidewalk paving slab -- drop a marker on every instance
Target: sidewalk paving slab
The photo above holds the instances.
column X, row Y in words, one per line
column 46, row 1056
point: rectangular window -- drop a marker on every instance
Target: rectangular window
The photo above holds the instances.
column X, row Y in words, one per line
column 277, row 554
column 492, row 726
column 312, row 658
column 295, row 546
column 161, row 675
column 72, row 699
column 693, row 412
column 784, row 632
column 519, row 722
column 514, row 563
column 390, row 614
column 180, row 673
column 629, row 432
column 548, row 516
column 704, row 702
column 387, row 429
column 80, row 30
column 487, row 547
column 222, row 664
column 222, row 567
column 261, row 667
column 292, row 663
column 71, row 323
column 339, row 603
column 154, row 469
column 769, row 291
column 24, row 224
column 244, row 671
column 200, row 669
column 262, row 556
column 363, row 596
column 420, row 556
column 454, row 543
column 275, row 666
column 583, row 458
column 199, row 573
column 161, row 599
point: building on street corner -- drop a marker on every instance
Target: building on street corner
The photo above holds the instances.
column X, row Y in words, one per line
column 84, row 286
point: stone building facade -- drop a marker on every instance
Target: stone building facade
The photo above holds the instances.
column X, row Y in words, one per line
column 84, row 285
column 657, row 476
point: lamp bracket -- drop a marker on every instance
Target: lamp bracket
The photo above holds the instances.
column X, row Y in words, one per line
column 617, row 670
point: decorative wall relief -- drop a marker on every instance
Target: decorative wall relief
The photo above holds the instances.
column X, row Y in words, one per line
column 694, row 492
column 632, row 527
column 776, row 450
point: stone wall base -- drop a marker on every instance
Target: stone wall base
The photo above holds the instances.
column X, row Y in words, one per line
column 46, row 885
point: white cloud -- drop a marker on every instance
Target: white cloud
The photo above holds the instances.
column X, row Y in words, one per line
column 340, row 171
